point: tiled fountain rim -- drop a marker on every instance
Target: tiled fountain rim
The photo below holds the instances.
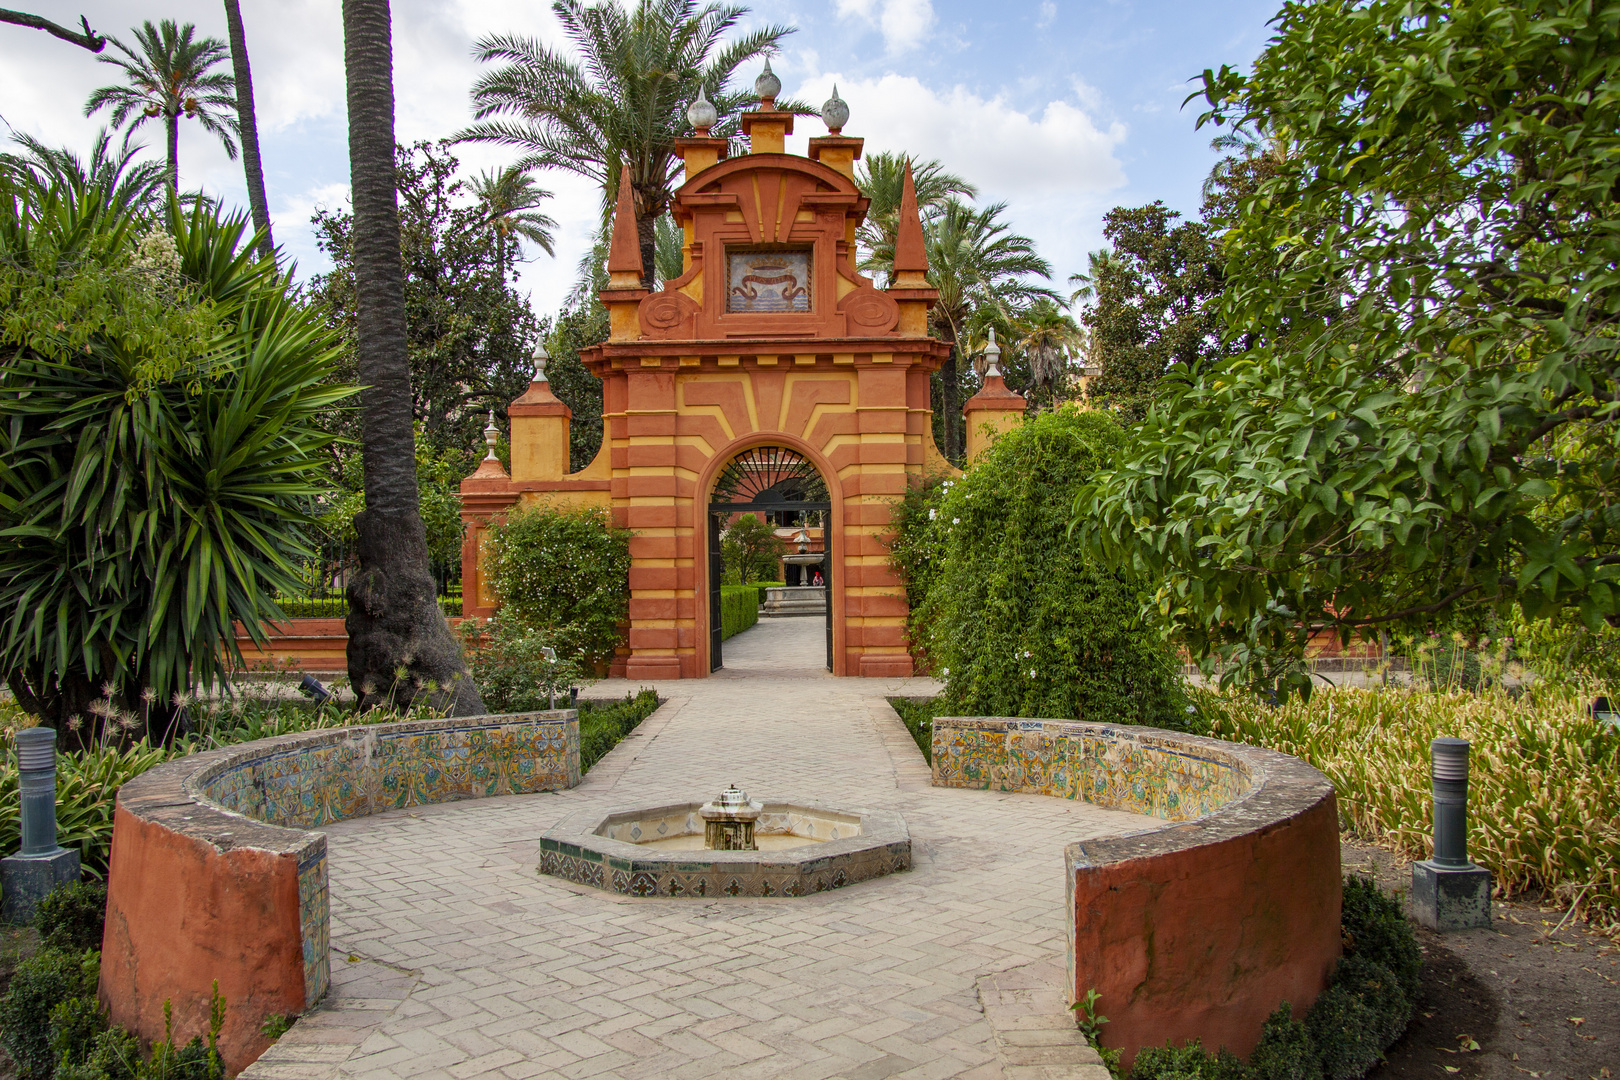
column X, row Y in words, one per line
column 575, row 851
column 879, row 828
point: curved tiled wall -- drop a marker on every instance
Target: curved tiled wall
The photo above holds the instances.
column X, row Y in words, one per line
column 1195, row 929
column 214, row 876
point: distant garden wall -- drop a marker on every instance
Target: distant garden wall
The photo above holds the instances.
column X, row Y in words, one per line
column 214, row 876
column 1198, row 929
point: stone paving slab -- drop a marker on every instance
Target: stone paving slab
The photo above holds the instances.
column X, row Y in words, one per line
column 454, row 958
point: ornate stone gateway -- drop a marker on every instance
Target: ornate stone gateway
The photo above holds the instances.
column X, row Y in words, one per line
column 770, row 375
column 785, row 487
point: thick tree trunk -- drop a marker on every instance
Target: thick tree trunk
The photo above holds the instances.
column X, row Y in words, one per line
column 252, row 169
column 401, row 650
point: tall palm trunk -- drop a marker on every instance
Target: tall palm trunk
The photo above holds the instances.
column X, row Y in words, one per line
column 172, row 122
column 951, row 394
column 400, row 647
column 647, row 234
column 252, row 169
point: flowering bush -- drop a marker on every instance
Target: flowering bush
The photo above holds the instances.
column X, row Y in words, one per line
column 516, row 667
column 566, row 572
column 1007, row 610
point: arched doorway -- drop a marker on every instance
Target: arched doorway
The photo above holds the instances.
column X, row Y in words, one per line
column 787, row 488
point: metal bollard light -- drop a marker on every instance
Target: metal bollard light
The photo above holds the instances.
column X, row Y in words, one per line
column 1448, row 891
column 41, row 866
column 1448, row 765
column 36, row 766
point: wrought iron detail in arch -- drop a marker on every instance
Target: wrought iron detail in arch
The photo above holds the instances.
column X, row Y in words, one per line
column 770, row 477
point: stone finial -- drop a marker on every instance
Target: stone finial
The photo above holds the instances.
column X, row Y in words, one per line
column 910, row 251
column 540, row 359
column 767, row 86
column 702, row 114
column 492, row 435
column 835, row 112
column 992, row 357
column 624, row 253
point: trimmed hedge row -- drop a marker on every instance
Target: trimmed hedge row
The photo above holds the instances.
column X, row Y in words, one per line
column 739, row 609
column 603, row 724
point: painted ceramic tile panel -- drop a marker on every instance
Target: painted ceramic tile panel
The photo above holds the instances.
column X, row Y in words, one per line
column 767, row 281
column 314, row 921
column 1062, row 760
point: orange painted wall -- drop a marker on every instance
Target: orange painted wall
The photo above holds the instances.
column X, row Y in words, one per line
column 1206, row 941
column 197, row 913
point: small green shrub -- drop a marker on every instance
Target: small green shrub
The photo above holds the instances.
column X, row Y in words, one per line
column 115, row 1054
column 75, row 1026
column 1285, row 1051
column 41, row 983
column 739, row 609
column 72, row 917
column 1188, row 1062
column 566, row 571
column 517, row 667
column 1360, row 1014
column 602, row 726
column 1375, row 929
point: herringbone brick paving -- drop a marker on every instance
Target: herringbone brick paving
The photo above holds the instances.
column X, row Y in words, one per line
column 454, row 958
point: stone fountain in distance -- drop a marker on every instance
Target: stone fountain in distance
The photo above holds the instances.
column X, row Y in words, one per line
column 732, row 846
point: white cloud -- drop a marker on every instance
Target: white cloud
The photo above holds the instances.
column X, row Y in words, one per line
column 1053, row 165
column 1048, row 13
column 905, row 24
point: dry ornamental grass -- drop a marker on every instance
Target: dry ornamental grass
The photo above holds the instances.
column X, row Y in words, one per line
column 1544, row 790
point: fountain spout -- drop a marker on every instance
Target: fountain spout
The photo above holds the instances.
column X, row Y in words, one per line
column 728, row 822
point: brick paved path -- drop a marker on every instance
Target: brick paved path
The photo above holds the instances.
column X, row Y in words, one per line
column 453, row 957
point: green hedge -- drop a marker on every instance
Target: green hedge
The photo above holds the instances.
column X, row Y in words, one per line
column 602, row 725
column 739, row 609
column 337, row 607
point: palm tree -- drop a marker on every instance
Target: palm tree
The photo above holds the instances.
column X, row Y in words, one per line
column 248, row 125
column 400, row 647
column 169, row 77
column 975, row 262
column 1049, row 339
column 881, row 179
column 507, row 200
column 624, row 100
column 1085, row 285
column 138, row 186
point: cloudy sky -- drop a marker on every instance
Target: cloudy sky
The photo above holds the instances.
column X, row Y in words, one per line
column 1060, row 108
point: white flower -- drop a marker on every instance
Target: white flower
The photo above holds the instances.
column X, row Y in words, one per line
column 944, row 671
column 932, row 514
column 1032, row 673
column 956, row 521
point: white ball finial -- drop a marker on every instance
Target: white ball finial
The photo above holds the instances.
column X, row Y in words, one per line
column 702, row 114
column 767, row 86
column 540, row 360
column 992, row 356
column 492, row 435
column 835, row 112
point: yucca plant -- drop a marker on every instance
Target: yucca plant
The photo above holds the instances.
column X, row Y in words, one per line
column 159, row 390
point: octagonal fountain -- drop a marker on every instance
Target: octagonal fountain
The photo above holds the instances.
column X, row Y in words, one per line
column 733, row 846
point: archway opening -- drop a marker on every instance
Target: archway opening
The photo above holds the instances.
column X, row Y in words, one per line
column 786, row 495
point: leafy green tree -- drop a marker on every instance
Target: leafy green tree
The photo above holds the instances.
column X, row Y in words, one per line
column 1422, row 424
column 169, row 75
column 751, row 549
column 1012, row 615
column 131, row 184
column 509, row 201
column 1049, row 341
column 469, row 333
column 1155, row 304
column 401, row 650
column 159, row 446
column 576, row 387
column 619, row 96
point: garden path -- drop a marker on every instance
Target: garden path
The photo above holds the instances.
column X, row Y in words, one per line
column 452, row 957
